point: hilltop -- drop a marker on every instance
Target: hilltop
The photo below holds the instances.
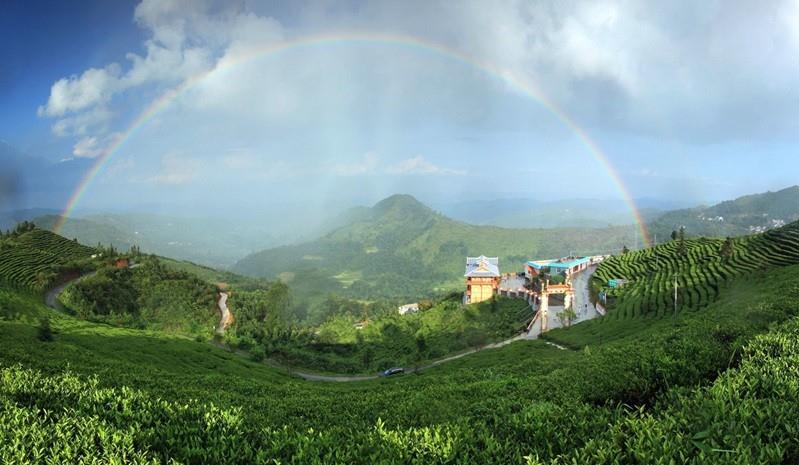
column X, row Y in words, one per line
column 402, row 248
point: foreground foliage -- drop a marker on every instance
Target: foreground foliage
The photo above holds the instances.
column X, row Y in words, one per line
column 351, row 342
column 702, row 391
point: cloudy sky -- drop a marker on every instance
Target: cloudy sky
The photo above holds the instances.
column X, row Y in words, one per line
column 251, row 103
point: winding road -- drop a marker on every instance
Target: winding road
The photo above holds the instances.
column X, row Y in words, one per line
column 51, row 299
column 51, row 296
column 227, row 317
column 345, row 378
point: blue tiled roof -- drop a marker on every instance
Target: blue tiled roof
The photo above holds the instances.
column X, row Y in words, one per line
column 559, row 265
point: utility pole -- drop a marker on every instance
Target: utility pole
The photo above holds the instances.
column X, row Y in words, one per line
column 657, row 256
column 675, row 300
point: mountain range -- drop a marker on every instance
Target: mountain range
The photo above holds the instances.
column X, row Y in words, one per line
column 401, row 248
column 744, row 215
column 532, row 213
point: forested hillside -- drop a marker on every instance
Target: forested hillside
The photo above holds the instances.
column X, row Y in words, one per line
column 402, row 249
column 744, row 215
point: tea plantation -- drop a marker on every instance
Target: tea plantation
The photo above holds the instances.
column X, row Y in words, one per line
column 717, row 384
column 33, row 259
column 700, row 270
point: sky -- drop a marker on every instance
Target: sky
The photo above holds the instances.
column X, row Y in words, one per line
column 205, row 105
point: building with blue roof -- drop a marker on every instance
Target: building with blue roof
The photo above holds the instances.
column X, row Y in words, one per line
column 482, row 278
column 565, row 266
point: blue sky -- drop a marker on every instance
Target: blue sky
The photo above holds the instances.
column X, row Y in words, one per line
column 691, row 101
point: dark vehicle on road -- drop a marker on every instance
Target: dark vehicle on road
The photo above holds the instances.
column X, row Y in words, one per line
column 394, row 371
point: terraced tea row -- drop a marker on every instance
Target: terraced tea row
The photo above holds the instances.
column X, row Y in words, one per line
column 698, row 271
column 35, row 259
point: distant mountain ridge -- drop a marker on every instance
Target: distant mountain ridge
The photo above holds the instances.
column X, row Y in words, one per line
column 402, row 248
column 531, row 213
column 204, row 240
column 744, row 215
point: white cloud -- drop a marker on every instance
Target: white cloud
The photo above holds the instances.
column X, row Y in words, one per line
column 93, row 120
column 673, row 68
column 186, row 39
column 94, row 146
column 75, row 93
column 419, row 166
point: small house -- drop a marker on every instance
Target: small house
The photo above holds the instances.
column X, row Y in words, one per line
column 408, row 308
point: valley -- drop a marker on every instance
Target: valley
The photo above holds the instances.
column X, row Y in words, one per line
column 399, row 232
column 111, row 383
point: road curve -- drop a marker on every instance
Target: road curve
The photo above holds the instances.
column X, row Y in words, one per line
column 51, row 296
column 51, row 299
column 345, row 378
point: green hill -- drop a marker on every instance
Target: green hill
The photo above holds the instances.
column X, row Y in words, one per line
column 150, row 295
column 34, row 259
column 400, row 248
column 705, row 270
column 689, row 393
column 699, row 270
column 210, row 241
column 164, row 294
column 744, row 215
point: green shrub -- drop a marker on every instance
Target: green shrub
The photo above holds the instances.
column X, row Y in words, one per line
column 257, row 353
column 45, row 333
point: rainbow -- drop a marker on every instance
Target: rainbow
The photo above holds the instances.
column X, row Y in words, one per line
column 518, row 83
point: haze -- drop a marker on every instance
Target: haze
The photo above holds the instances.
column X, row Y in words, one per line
column 686, row 101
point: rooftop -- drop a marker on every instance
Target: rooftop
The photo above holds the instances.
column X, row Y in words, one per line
column 558, row 263
column 482, row 267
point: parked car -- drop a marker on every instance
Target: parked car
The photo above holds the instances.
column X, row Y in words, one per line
column 394, row 371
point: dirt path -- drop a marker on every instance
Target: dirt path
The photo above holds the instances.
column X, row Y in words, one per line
column 227, row 317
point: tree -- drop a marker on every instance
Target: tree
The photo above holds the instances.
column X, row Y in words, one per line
column 681, row 248
column 421, row 347
column 624, row 250
column 726, row 249
column 45, row 333
column 674, row 235
column 567, row 316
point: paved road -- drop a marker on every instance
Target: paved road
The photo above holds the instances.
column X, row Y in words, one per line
column 51, row 296
column 350, row 378
column 583, row 307
column 582, row 296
